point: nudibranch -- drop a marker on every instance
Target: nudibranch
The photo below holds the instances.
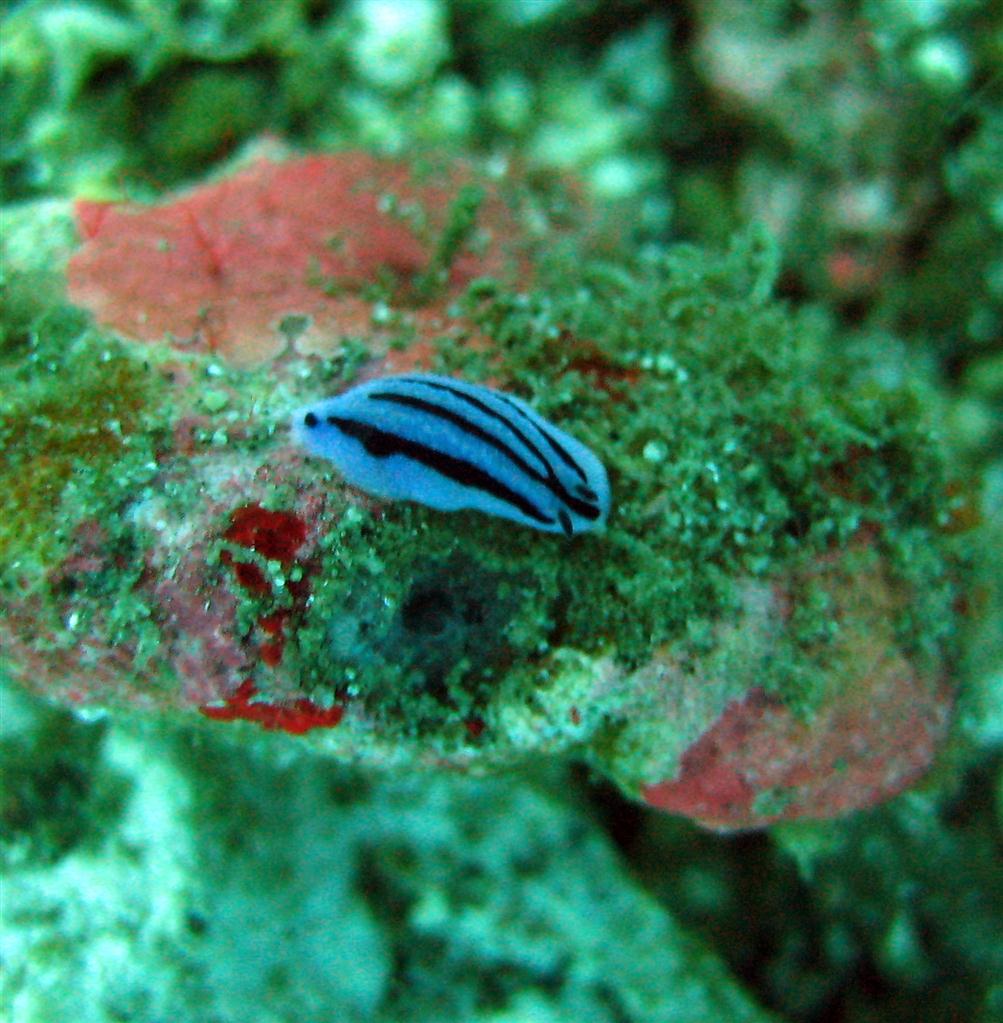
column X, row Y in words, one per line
column 451, row 445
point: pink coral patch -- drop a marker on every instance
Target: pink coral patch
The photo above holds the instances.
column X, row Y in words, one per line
column 760, row 763
column 222, row 267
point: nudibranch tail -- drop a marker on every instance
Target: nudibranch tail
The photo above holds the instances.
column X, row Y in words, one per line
column 450, row 445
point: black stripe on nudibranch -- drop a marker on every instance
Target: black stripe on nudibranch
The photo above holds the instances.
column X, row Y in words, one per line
column 555, row 446
column 383, row 444
column 565, row 520
column 549, row 479
column 513, row 406
column 484, row 407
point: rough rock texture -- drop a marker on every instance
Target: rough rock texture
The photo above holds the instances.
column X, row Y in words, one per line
column 761, row 633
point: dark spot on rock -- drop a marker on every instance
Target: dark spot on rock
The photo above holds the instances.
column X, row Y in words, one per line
column 427, row 611
column 293, row 325
column 445, row 643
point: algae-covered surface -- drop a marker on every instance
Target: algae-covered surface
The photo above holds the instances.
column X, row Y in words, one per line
column 274, row 749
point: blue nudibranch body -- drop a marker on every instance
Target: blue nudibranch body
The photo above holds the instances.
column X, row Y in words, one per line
column 452, row 445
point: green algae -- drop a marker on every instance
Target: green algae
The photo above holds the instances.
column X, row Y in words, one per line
column 460, row 226
column 104, row 91
column 202, row 113
column 896, row 907
column 737, row 448
column 70, row 454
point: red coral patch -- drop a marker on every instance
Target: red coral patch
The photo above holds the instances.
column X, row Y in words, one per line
column 220, row 268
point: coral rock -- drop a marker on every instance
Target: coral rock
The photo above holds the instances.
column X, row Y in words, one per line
column 226, row 267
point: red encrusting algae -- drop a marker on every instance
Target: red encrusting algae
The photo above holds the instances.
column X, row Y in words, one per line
column 475, row 727
column 289, row 258
column 275, row 535
column 296, row 717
